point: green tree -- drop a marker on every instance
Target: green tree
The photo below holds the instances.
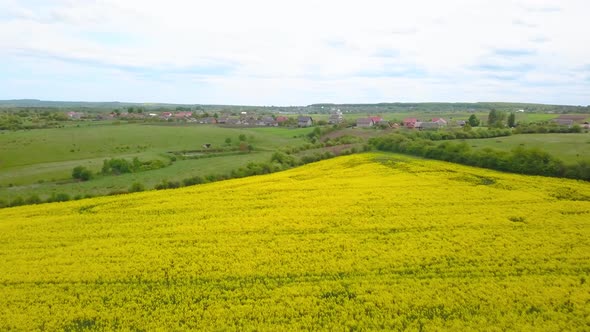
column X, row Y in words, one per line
column 473, row 120
column 512, row 120
column 228, row 141
column 242, row 137
column 81, row 173
column 496, row 119
column 492, row 118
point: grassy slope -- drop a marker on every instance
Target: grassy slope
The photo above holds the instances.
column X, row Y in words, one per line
column 49, row 155
column 373, row 241
column 568, row 147
column 457, row 115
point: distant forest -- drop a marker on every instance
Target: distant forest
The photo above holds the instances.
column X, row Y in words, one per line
column 309, row 109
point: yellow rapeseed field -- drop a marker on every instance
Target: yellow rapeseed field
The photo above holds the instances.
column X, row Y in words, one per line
column 372, row 241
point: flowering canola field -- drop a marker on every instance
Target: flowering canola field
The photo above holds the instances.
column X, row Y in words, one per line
column 372, row 241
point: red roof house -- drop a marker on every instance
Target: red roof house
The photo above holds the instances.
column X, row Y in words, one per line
column 410, row 122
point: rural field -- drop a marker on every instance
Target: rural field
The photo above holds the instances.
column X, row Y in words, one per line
column 570, row 148
column 40, row 161
column 406, row 243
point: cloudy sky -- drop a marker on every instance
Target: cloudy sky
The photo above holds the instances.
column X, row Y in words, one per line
column 296, row 52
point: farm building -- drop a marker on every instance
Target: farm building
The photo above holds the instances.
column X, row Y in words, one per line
column 305, row 121
column 269, row 121
column 442, row 122
column 427, row 125
column 410, row 122
column 364, row 122
column 281, row 119
column 208, row 120
column 336, row 117
column 563, row 122
column 182, row 115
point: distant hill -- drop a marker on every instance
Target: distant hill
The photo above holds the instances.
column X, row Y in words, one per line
column 446, row 107
column 313, row 108
column 81, row 104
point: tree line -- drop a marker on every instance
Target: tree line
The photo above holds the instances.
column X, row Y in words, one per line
column 520, row 160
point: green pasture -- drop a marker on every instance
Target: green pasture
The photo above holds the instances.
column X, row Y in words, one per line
column 450, row 115
column 103, row 185
column 568, row 147
column 41, row 161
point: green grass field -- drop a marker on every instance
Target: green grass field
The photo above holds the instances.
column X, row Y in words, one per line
column 41, row 161
column 452, row 116
column 568, row 147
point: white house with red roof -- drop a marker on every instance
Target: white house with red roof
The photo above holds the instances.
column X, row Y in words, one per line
column 410, row 122
column 441, row 122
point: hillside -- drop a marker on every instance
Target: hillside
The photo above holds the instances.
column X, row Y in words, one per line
column 371, row 241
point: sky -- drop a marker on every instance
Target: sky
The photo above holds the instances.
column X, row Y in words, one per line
column 296, row 52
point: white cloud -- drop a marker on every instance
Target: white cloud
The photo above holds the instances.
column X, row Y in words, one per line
column 299, row 52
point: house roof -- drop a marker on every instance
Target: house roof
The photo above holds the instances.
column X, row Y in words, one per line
column 439, row 120
column 427, row 124
column 572, row 117
column 376, row 118
column 304, row 118
column 364, row 121
column 564, row 121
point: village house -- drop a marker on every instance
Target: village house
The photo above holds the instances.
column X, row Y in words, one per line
column 304, row 121
column 376, row 119
column 249, row 120
column 208, row 120
column 336, row 117
column 569, row 120
column 410, row 122
column 269, row 121
column 563, row 122
column 427, row 125
column 281, row 119
column 233, row 121
column 75, row 115
column 364, row 122
column 442, row 122
column 182, row 115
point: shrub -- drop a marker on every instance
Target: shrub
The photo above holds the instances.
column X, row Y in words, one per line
column 136, row 187
column 17, row 201
column 34, row 199
column 61, row 197
column 193, row 180
column 81, row 173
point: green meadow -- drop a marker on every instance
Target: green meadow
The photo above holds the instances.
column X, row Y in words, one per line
column 41, row 161
column 570, row 148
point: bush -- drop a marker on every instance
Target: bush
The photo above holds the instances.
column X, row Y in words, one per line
column 17, row 201
column 136, row 187
column 193, row 181
column 116, row 166
column 61, row 197
column 81, row 173
column 34, row 199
